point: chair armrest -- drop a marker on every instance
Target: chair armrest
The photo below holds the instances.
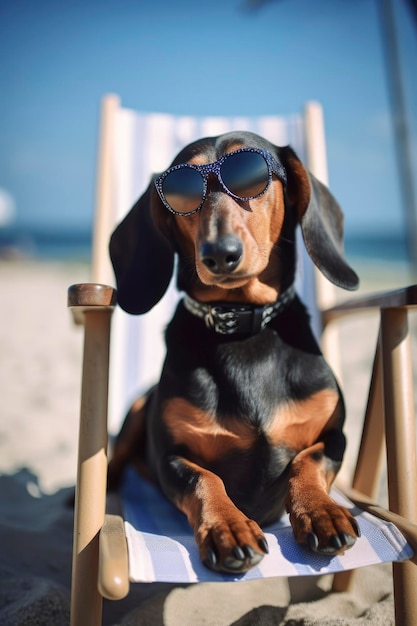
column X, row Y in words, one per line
column 404, row 297
column 85, row 296
column 113, row 569
column 407, row 528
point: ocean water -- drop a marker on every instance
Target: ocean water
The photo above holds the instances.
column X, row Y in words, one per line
column 377, row 246
column 380, row 260
column 46, row 244
column 75, row 243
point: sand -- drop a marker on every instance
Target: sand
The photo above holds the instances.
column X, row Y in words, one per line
column 39, row 390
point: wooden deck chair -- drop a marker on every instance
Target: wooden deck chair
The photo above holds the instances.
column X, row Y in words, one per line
column 100, row 563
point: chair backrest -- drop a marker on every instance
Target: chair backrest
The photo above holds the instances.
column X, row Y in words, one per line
column 133, row 146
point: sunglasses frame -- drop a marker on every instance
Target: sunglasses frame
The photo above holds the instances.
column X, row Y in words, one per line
column 274, row 167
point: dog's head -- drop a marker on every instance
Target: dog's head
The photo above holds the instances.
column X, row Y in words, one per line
column 230, row 250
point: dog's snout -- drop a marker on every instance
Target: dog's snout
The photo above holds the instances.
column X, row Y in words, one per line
column 223, row 254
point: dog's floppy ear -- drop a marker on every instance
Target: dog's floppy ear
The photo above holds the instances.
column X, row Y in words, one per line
column 142, row 258
column 321, row 220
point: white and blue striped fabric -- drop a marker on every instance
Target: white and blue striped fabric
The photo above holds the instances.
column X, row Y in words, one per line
column 162, row 546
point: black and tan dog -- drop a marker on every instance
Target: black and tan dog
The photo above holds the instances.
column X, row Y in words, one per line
column 246, row 420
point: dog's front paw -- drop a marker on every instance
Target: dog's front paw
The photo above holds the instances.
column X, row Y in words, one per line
column 326, row 528
column 231, row 543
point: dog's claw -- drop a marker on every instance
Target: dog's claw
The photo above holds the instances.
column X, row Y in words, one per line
column 232, row 547
column 336, row 543
column 313, row 542
column 242, row 559
column 347, row 540
column 238, row 553
column 356, row 528
column 249, row 552
column 211, row 559
column 263, row 544
column 344, row 538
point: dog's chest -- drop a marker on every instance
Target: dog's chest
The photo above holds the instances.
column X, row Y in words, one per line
column 237, row 396
column 240, row 382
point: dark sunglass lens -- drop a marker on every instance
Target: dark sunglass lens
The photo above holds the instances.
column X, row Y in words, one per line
column 245, row 174
column 183, row 189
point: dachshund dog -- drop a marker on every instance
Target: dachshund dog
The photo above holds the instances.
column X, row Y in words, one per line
column 246, row 420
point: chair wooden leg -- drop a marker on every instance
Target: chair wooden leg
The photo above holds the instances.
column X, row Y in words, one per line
column 372, row 447
column 343, row 581
column 370, row 454
column 86, row 602
column 401, row 446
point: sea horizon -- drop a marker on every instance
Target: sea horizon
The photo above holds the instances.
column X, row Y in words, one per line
column 53, row 242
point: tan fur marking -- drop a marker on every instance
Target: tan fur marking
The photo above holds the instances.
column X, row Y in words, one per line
column 309, row 471
column 216, row 521
column 209, row 489
column 310, row 507
column 299, row 424
column 206, row 439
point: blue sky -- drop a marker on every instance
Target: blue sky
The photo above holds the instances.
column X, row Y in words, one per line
column 58, row 57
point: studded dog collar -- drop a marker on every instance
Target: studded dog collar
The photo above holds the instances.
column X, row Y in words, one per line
column 228, row 319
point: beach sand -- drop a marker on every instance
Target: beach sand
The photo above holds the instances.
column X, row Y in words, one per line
column 40, row 369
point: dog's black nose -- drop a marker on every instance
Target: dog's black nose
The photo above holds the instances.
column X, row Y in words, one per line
column 222, row 255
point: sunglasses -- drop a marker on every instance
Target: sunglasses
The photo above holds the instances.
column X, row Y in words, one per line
column 244, row 174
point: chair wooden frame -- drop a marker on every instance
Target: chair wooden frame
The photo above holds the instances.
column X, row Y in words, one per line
column 100, row 560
